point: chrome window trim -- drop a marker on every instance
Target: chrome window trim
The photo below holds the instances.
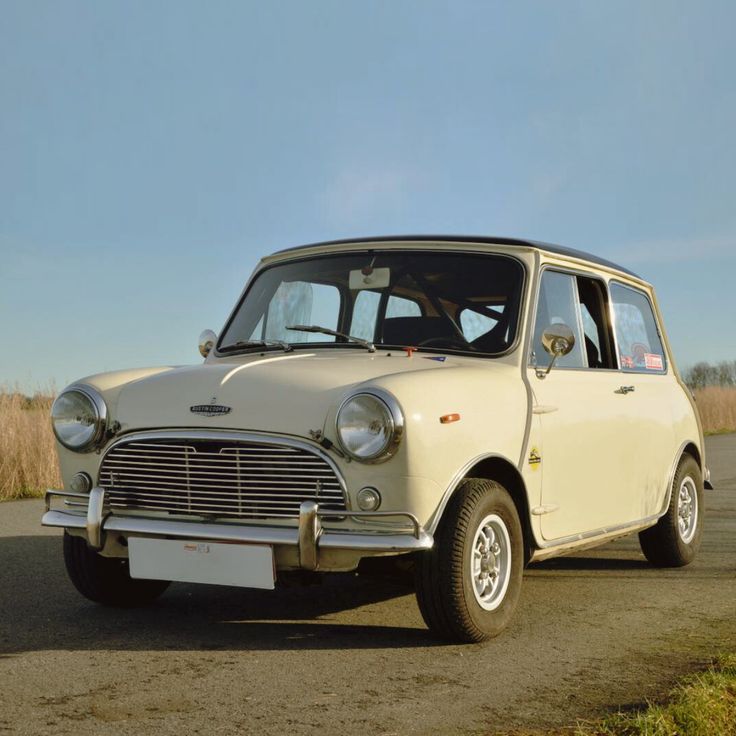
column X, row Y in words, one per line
column 232, row 434
column 611, row 316
column 397, row 422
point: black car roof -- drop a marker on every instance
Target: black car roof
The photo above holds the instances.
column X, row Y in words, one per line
column 550, row 247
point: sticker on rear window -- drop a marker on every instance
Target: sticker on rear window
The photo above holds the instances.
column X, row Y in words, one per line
column 653, row 362
column 627, row 361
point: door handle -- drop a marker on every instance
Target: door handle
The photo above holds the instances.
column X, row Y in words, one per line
column 625, row 390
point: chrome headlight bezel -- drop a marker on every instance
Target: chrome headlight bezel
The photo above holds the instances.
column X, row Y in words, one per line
column 99, row 409
column 387, row 403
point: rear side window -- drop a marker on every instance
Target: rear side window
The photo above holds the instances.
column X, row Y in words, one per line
column 639, row 342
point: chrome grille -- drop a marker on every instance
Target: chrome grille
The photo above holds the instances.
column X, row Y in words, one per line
column 218, row 478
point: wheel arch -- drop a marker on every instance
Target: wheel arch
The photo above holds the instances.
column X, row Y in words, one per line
column 691, row 448
column 503, row 471
column 686, row 448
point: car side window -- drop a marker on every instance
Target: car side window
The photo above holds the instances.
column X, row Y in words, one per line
column 639, row 342
column 558, row 305
column 580, row 302
column 596, row 324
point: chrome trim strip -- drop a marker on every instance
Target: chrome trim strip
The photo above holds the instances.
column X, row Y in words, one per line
column 309, row 531
column 95, row 517
column 380, row 514
column 309, row 538
column 586, row 536
column 63, row 494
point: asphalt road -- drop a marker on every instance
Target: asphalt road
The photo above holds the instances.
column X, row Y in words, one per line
column 592, row 632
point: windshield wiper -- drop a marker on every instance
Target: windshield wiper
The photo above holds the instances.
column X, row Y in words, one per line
column 285, row 346
column 326, row 331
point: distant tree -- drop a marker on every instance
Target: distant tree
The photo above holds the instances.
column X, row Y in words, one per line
column 704, row 374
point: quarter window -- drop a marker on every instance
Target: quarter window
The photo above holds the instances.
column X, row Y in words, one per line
column 639, row 343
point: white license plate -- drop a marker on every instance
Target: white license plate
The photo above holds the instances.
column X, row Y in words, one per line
column 217, row 563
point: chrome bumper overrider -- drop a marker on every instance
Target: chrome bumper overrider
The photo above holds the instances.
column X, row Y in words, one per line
column 309, row 536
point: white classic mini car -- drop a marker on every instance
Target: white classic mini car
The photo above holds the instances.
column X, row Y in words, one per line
column 472, row 404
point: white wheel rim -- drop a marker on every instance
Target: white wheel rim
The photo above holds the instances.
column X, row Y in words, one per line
column 490, row 562
column 687, row 510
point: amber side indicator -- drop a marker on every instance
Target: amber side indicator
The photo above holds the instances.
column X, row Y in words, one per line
column 449, row 418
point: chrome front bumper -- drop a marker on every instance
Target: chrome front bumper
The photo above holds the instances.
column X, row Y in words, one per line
column 309, row 537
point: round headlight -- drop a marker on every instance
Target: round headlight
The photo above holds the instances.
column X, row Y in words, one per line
column 79, row 418
column 369, row 428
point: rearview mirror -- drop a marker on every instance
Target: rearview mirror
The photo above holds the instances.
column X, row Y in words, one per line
column 557, row 340
column 207, row 341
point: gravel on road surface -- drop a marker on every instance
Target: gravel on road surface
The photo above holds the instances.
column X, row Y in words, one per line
column 594, row 631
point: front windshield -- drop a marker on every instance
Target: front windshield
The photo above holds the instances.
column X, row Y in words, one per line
column 438, row 301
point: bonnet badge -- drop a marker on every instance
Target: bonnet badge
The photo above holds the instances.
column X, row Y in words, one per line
column 210, row 410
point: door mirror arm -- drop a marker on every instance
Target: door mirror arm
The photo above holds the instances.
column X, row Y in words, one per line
column 558, row 340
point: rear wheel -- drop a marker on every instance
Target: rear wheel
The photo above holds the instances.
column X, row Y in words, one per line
column 468, row 584
column 675, row 539
column 106, row 580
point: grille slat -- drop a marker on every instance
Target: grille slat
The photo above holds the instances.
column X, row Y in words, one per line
column 254, row 491
column 219, row 513
column 306, row 468
column 220, row 477
column 229, row 483
column 199, row 497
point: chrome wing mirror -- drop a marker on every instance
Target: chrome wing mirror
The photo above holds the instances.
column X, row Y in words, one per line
column 557, row 340
column 207, row 341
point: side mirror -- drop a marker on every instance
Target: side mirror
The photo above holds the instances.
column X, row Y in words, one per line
column 207, row 341
column 557, row 340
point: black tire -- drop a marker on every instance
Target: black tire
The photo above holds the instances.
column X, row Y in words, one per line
column 106, row 580
column 445, row 584
column 671, row 542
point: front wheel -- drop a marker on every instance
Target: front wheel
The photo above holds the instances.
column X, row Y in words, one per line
column 468, row 584
column 675, row 539
column 106, row 580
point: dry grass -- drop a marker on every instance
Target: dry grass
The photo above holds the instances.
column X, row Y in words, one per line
column 717, row 406
column 28, row 464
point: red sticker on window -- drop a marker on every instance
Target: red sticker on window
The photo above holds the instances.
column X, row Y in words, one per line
column 627, row 361
column 653, row 362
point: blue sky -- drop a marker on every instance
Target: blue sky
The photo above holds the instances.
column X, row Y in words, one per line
column 150, row 152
